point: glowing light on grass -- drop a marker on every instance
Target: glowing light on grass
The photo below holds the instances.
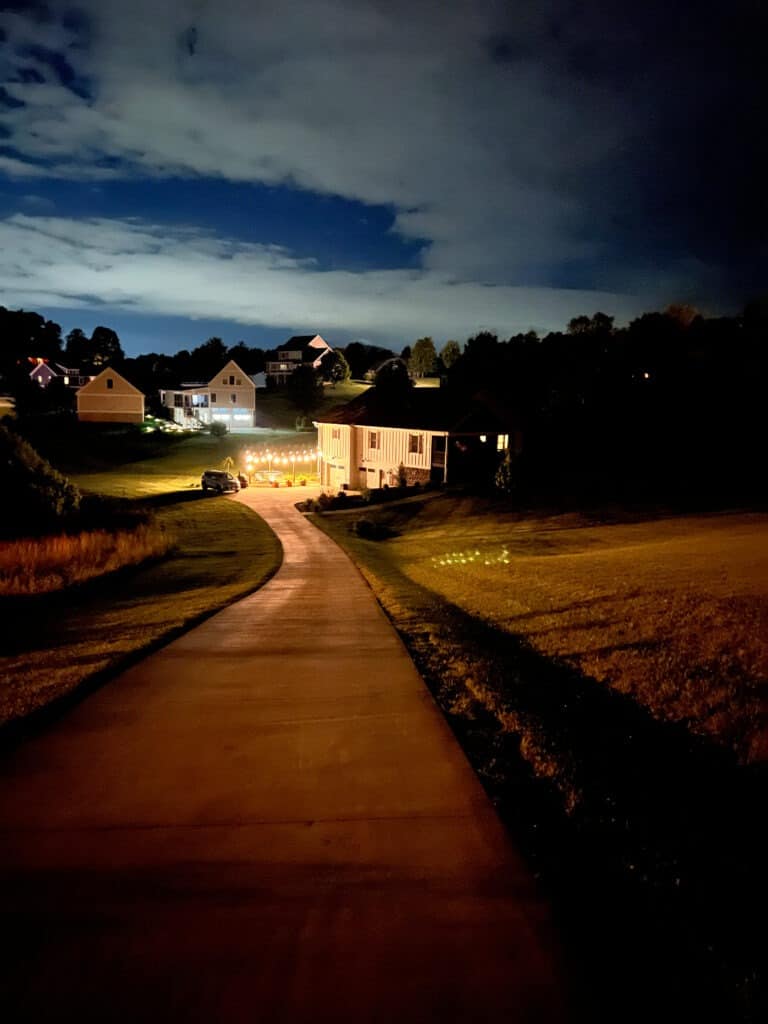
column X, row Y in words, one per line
column 471, row 557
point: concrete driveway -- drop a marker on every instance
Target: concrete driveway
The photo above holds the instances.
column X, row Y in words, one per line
column 268, row 820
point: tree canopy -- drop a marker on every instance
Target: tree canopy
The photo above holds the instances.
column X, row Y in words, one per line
column 449, row 353
column 423, row 357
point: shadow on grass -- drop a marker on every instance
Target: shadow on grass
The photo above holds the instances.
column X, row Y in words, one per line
column 647, row 838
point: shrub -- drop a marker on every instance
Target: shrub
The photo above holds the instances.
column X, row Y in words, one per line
column 218, row 429
column 38, row 498
column 369, row 529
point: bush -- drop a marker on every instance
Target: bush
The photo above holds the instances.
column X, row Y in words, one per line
column 218, row 429
column 369, row 529
column 38, row 499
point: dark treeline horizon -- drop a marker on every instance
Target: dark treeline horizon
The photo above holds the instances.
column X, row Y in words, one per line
column 673, row 403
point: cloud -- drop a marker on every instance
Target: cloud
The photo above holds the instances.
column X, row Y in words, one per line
column 132, row 265
column 520, row 142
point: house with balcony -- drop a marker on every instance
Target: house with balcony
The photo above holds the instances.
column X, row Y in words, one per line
column 429, row 436
column 300, row 350
column 229, row 398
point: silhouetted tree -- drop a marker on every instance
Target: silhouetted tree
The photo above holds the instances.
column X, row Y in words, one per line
column 362, row 357
column 335, row 368
column 252, row 360
column 392, row 383
column 423, row 357
column 449, row 353
column 76, row 352
column 305, row 388
column 104, row 348
column 207, row 359
column 26, row 336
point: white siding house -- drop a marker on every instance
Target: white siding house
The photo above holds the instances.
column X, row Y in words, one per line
column 229, row 398
column 371, row 456
column 426, row 438
column 110, row 398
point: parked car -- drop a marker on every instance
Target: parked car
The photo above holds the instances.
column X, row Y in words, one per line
column 219, row 480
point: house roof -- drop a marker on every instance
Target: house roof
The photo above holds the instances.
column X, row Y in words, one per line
column 427, row 409
column 230, row 367
column 299, row 341
column 92, row 385
column 304, row 343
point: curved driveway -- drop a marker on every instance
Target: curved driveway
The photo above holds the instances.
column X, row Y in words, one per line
column 267, row 820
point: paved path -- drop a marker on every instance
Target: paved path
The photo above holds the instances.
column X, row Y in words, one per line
column 268, row 820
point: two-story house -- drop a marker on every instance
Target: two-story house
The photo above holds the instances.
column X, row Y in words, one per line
column 229, row 398
column 300, row 350
column 430, row 436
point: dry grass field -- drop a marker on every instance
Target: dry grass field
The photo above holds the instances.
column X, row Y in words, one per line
column 47, row 564
column 671, row 611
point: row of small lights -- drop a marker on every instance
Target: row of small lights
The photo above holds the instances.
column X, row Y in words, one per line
column 467, row 557
column 279, row 458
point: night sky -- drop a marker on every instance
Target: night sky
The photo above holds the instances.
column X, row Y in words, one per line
column 378, row 170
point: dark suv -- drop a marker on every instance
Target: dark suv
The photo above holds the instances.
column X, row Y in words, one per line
column 218, row 480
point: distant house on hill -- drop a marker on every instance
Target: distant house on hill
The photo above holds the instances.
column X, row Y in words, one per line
column 110, row 398
column 432, row 435
column 43, row 373
column 229, row 398
column 300, row 350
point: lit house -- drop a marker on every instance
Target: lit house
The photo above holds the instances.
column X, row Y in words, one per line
column 300, row 350
column 43, row 373
column 110, row 398
column 229, row 398
column 427, row 437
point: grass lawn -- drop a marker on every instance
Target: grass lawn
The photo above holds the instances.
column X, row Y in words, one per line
column 672, row 612
column 171, row 464
column 220, row 551
column 274, row 409
column 577, row 661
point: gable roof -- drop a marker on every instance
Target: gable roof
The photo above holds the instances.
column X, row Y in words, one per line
column 427, row 409
column 304, row 343
column 230, row 367
column 95, row 381
column 299, row 341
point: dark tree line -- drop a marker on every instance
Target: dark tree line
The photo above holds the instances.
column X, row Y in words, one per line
column 671, row 405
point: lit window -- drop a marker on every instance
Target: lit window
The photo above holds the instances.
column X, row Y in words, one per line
column 502, row 442
column 416, row 444
column 110, row 383
column 373, row 439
